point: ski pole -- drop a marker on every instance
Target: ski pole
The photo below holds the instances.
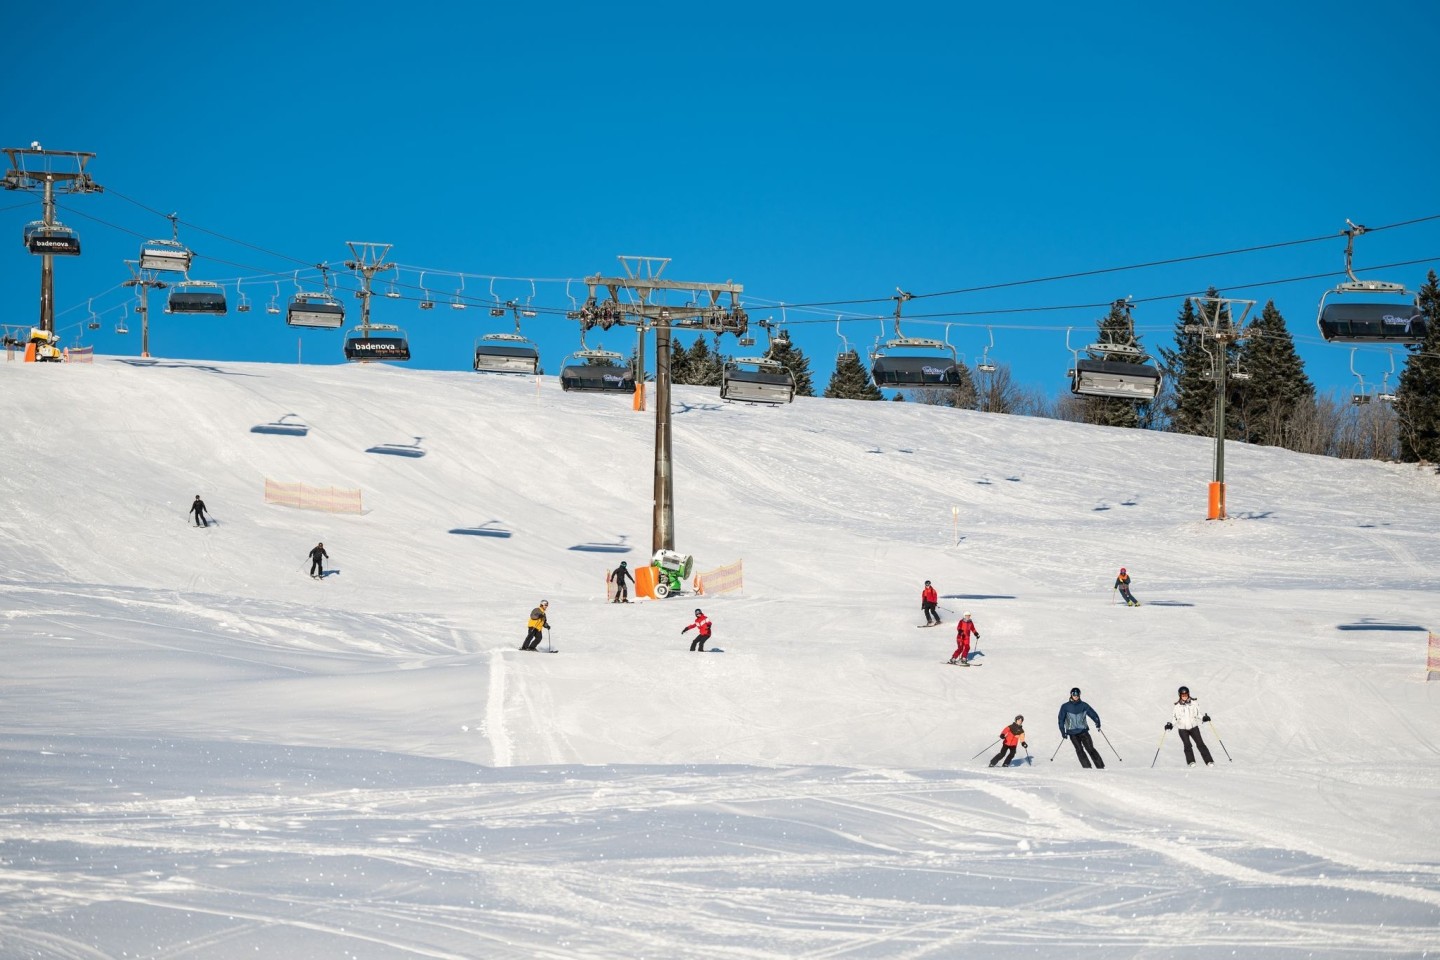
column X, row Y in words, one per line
column 1158, row 746
column 1111, row 745
column 987, row 747
column 1028, row 759
column 1057, row 749
column 1221, row 742
column 1112, row 595
column 547, row 639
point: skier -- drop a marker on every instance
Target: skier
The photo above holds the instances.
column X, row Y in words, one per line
column 1010, row 735
column 1188, row 717
column 617, row 577
column 1074, row 728
column 964, row 630
column 317, row 556
column 538, row 621
column 1122, row 583
column 703, row 626
column 928, row 601
column 198, row 509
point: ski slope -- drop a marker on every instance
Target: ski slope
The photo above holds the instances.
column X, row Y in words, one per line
column 209, row 754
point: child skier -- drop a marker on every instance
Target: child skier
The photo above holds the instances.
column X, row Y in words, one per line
column 1010, row 735
column 929, row 599
column 964, row 630
column 1122, row 583
column 1188, row 717
column 703, row 626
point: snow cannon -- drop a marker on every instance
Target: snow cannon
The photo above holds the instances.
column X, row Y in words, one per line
column 671, row 571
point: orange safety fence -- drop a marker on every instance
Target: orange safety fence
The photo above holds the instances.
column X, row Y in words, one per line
column 1432, row 659
column 80, row 354
column 306, row 497
column 727, row 579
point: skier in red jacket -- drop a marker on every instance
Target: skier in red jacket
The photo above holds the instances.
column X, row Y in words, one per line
column 964, row 630
column 928, row 601
column 703, row 627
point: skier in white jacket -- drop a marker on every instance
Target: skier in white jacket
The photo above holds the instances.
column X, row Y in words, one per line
column 1188, row 717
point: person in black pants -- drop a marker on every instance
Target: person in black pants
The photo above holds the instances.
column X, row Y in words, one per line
column 198, row 509
column 1074, row 728
column 617, row 577
column 703, row 628
column 317, row 558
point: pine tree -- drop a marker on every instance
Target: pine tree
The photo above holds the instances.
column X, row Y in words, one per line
column 1277, row 390
column 1187, row 368
column 703, row 368
column 851, row 381
column 1417, row 400
column 679, row 363
column 792, row 358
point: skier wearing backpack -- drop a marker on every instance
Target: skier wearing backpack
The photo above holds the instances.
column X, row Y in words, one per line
column 1074, row 728
column 617, row 577
column 964, row 630
column 929, row 599
column 1187, row 717
column 1122, row 583
column 703, row 626
column 538, row 621
column 1010, row 735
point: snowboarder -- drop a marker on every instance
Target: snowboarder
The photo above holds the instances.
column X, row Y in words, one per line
column 317, row 558
column 1074, row 728
column 928, row 601
column 703, row 626
column 1188, row 717
column 538, row 622
column 1010, row 735
column 964, row 630
column 617, row 577
column 1122, row 583
column 198, row 509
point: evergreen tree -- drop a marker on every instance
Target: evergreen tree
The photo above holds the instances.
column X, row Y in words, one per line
column 703, row 368
column 851, row 381
column 1277, row 389
column 1116, row 327
column 1417, row 400
column 792, row 358
column 679, row 362
column 1189, row 372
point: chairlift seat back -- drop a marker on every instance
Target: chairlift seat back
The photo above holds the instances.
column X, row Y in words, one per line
column 165, row 257
column 53, row 240
column 361, row 348
column 598, row 378
column 890, row 371
column 1115, row 378
column 497, row 358
column 766, row 385
column 1342, row 322
column 321, row 312
column 200, row 298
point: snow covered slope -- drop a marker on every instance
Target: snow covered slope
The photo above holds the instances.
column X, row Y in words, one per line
column 210, row 754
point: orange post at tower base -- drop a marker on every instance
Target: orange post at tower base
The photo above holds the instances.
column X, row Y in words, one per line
column 1217, row 501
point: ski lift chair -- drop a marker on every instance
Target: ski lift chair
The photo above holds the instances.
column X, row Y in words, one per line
column 197, row 296
column 506, row 353
column 165, row 256
column 318, row 310
column 924, row 365
column 51, row 239
column 756, row 380
column 1360, row 314
column 378, row 341
column 597, row 371
column 1095, row 377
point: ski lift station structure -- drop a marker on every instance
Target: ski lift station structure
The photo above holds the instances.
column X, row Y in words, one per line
column 922, row 362
column 1112, row 368
column 1368, row 311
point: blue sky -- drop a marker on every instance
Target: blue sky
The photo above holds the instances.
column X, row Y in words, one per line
column 811, row 157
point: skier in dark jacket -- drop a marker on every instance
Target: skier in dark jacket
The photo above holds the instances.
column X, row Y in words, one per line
column 1011, row 735
column 1074, row 728
column 538, row 621
column 703, row 626
column 317, row 558
column 1188, row 716
column 1122, row 583
column 617, row 577
column 198, row 509
column 929, row 599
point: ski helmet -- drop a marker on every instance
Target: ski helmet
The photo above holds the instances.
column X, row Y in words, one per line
column 1122, row 569
column 622, row 563
column 966, row 615
column 698, row 612
column 1019, row 718
column 1185, row 691
column 544, row 603
column 927, row 583
column 1074, row 691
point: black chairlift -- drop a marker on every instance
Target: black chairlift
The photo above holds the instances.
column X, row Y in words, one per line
column 921, row 362
column 506, row 353
column 1369, row 311
column 378, row 341
column 318, row 310
column 51, row 239
column 197, row 296
column 597, row 371
column 1114, row 369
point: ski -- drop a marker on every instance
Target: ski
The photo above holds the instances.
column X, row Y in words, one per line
column 961, row 663
column 922, row 626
